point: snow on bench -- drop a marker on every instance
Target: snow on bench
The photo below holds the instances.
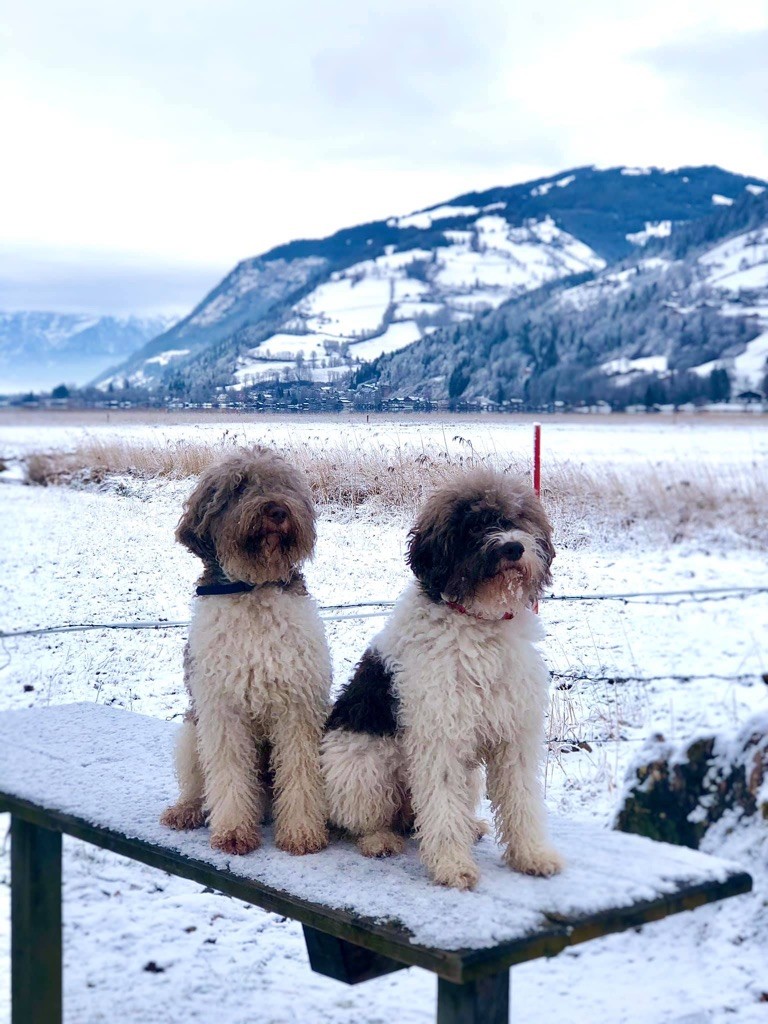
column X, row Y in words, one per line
column 104, row 775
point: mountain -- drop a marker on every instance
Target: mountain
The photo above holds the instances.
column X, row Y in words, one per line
column 40, row 350
column 662, row 325
column 316, row 308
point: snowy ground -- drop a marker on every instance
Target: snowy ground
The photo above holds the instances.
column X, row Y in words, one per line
column 107, row 555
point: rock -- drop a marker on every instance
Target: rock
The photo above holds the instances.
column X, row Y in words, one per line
column 675, row 794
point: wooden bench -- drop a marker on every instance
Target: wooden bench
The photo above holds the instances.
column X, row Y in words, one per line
column 104, row 775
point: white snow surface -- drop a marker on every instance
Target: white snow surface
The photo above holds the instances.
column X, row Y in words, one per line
column 114, row 770
column 107, row 554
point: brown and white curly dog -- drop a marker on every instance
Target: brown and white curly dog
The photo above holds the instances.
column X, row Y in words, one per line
column 256, row 664
column 453, row 682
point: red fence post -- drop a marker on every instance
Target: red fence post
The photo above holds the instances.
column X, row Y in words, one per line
column 536, row 474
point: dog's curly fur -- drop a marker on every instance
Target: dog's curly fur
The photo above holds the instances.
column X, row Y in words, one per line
column 453, row 683
column 256, row 665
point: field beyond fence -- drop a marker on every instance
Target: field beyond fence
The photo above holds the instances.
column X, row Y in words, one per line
column 674, row 503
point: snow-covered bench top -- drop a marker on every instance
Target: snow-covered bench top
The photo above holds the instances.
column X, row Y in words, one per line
column 104, row 775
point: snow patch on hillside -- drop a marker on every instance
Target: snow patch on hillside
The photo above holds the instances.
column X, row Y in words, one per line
column 748, row 371
column 542, row 190
column 398, row 335
column 752, row 365
column 652, row 229
column 346, row 306
column 626, row 367
column 740, row 262
column 426, row 218
column 165, row 357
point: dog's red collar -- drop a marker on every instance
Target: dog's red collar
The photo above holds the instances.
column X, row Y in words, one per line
column 463, row 611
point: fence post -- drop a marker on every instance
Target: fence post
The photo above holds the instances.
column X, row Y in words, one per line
column 536, row 475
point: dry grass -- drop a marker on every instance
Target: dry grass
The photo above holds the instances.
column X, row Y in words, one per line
column 587, row 504
column 341, row 474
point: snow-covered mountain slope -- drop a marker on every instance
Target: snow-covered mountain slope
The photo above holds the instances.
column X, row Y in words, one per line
column 687, row 304
column 322, row 306
column 40, row 350
column 385, row 304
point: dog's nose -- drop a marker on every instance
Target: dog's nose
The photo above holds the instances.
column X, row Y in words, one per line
column 278, row 515
column 513, row 550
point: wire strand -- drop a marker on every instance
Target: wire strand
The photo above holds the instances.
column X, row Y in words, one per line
column 704, row 593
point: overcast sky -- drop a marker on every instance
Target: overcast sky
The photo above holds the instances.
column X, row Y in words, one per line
column 148, row 145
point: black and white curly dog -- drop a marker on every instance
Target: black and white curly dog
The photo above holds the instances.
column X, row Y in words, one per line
column 451, row 684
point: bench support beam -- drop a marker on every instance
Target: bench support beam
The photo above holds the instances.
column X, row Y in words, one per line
column 344, row 961
column 485, row 1001
column 35, row 924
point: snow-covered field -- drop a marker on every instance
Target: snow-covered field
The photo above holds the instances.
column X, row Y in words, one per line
column 627, row 669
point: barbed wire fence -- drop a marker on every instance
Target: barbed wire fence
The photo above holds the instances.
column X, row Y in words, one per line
column 563, row 680
column 338, row 612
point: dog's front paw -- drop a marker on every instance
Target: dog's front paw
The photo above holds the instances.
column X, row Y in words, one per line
column 462, row 875
column 480, row 828
column 380, row 844
column 300, row 841
column 538, row 860
column 241, row 840
column 183, row 816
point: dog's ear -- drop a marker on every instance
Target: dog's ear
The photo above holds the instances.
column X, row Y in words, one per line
column 421, row 552
column 546, row 547
column 212, row 494
column 429, row 555
column 542, row 530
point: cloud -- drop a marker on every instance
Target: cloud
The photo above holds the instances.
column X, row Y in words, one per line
column 728, row 72
column 205, row 131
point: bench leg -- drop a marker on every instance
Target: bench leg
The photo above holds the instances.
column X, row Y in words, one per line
column 477, row 1002
column 35, row 924
column 344, row 961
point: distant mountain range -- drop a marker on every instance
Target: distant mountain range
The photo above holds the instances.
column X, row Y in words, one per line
column 41, row 350
column 423, row 296
column 587, row 284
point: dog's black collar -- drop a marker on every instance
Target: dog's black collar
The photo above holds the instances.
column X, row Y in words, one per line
column 211, row 589
column 239, row 587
